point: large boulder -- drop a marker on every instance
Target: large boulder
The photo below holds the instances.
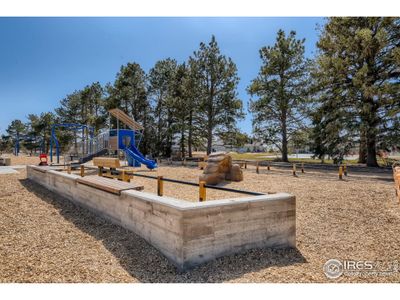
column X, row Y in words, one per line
column 236, row 174
column 213, row 178
column 219, row 168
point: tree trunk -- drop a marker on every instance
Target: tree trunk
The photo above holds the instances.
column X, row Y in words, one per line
column 362, row 152
column 209, row 140
column 169, row 137
column 371, row 122
column 285, row 149
column 371, row 149
column 190, row 134
column 183, row 143
column 284, row 142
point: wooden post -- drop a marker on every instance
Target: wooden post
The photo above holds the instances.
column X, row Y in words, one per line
column 160, row 186
column 340, row 172
column 345, row 169
column 124, row 176
column 245, row 165
column 69, row 169
column 82, row 170
column 294, row 169
column 269, row 166
column 257, row 169
column 302, row 167
column 100, row 172
column 202, row 191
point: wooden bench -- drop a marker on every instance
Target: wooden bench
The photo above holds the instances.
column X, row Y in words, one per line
column 112, row 164
column 108, row 185
column 106, row 162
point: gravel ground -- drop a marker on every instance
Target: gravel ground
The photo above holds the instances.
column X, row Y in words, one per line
column 45, row 238
column 22, row 159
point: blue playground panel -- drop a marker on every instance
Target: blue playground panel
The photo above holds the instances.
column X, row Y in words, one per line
column 126, row 142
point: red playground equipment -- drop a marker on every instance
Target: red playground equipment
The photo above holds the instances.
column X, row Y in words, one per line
column 43, row 160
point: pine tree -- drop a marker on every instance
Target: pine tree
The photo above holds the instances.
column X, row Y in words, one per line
column 359, row 60
column 281, row 91
column 217, row 80
column 161, row 78
column 16, row 129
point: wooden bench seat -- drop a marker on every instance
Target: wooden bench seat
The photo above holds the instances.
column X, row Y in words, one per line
column 108, row 185
column 106, row 162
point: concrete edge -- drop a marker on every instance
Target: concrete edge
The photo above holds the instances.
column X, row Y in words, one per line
column 184, row 205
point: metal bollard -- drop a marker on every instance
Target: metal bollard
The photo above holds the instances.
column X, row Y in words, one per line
column 268, row 167
column 257, row 169
column 82, row 170
column 245, row 165
column 160, row 186
column 302, row 167
column 294, row 169
column 202, row 191
column 345, row 170
column 69, row 169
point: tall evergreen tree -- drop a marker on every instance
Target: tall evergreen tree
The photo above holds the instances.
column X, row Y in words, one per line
column 281, row 91
column 180, row 106
column 358, row 62
column 40, row 128
column 195, row 133
column 161, row 90
column 16, row 129
column 217, row 80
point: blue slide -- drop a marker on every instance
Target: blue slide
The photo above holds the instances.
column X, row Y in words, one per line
column 133, row 154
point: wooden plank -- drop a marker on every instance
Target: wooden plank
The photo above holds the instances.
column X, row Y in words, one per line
column 108, row 162
column 120, row 115
column 108, row 185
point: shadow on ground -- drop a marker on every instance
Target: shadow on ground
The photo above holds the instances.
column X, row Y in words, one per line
column 145, row 263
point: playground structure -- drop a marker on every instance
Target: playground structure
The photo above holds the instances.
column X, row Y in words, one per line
column 110, row 141
column 125, row 140
column 85, row 142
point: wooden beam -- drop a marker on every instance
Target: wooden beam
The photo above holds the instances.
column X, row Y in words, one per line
column 123, row 117
column 107, row 162
column 108, row 185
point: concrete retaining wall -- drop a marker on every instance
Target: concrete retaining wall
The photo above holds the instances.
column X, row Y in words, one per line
column 187, row 233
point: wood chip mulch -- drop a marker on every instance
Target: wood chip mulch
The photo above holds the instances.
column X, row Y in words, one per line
column 46, row 238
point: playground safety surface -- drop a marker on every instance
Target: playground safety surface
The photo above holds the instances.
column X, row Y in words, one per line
column 46, row 238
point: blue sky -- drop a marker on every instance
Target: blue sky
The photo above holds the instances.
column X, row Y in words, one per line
column 44, row 59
